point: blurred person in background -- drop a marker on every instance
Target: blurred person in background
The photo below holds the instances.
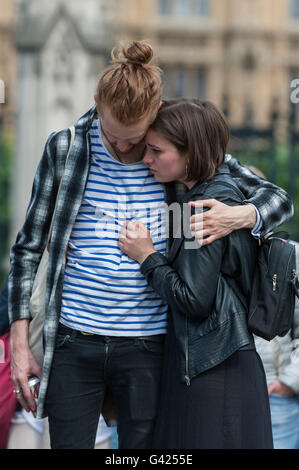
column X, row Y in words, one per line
column 28, row 432
column 281, row 362
column 95, row 336
column 8, row 401
column 18, row 428
column 4, row 321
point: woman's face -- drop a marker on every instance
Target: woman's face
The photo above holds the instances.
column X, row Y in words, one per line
column 163, row 158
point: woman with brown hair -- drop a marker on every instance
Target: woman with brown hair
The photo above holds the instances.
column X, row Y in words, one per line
column 104, row 328
column 214, row 392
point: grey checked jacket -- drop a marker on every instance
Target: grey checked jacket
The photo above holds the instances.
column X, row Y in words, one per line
column 272, row 202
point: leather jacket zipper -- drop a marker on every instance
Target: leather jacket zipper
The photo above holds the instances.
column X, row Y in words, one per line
column 187, row 378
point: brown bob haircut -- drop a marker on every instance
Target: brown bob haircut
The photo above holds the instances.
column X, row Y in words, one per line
column 199, row 131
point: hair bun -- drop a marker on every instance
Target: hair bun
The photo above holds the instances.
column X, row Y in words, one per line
column 139, row 53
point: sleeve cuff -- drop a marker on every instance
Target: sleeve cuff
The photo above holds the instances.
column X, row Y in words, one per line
column 257, row 229
column 151, row 262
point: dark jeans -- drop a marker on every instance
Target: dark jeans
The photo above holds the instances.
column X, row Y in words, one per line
column 84, row 368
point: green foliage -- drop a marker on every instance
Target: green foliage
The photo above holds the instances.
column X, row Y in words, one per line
column 6, row 151
column 279, row 166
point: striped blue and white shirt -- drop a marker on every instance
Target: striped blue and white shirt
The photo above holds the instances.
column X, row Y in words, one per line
column 104, row 291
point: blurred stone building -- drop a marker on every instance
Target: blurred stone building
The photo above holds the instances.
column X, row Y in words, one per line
column 7, row 67
column 241, row 54
column 62, row 46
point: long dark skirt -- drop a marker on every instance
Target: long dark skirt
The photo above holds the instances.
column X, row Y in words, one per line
column 226, row 407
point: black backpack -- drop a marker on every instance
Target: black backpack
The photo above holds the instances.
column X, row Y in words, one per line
column 275, row 284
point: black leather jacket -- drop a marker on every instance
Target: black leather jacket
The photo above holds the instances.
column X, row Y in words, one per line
column 207, row 288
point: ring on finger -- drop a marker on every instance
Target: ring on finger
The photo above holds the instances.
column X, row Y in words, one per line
column 17, row 391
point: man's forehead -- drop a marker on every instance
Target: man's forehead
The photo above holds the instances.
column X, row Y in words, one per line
column 118, row 129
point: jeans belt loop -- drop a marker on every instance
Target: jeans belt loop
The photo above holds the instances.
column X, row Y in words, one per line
column 73, row 336
column 153, row 338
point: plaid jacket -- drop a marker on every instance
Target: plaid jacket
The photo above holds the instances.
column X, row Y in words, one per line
column 273, row 203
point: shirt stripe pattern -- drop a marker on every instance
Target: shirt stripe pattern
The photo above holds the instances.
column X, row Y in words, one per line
column 104, row 291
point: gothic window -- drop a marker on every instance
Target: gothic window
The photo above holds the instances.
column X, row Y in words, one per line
column 64, row 67
column 180, row 82
column 163, row 4
column 201, row 83
column 184, row 82
column 2, row 92
column 183, row 7
column 295, row 9
column 202, row 7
